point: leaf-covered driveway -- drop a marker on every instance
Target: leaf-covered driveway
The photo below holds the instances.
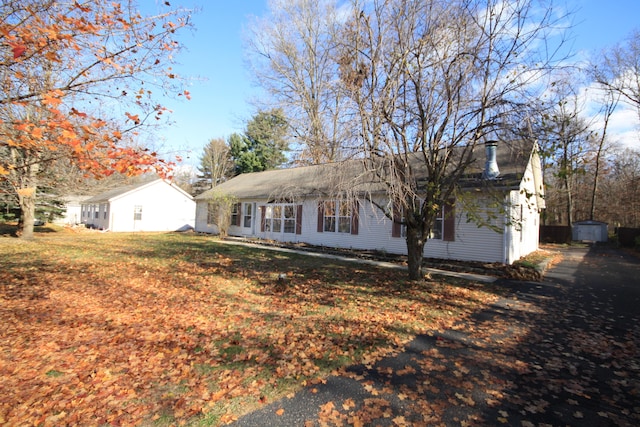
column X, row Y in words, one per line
column 564, row 352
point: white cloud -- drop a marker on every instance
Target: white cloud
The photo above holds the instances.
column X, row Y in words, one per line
column 624, row 123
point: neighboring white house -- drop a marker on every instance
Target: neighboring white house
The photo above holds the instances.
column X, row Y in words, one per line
column 73, row 210
column 152, row 206
column 300, row 205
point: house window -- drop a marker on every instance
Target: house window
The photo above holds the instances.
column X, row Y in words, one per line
column 248, row 214
column 403, row 226
column 137, row 213
column 281, row 218
column 437, row 230
column 289, row 219
column 267, row 221
column 438, row 223
column 338, row 216
column 96, row 211
column 329, row 217
column 235, row 211
column 344, row 217
column 276, row 219
column 211, row 213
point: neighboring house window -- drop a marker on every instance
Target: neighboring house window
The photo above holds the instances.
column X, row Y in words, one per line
column 248, row 213
column 96, row 212
column 338, row 216
column 282, row 217
column 137, row 213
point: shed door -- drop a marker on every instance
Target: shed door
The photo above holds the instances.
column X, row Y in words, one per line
column 589, row 232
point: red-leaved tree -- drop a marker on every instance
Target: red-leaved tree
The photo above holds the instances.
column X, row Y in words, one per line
column 79, row 80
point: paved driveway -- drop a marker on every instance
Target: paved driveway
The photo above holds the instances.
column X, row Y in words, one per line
column 565, row 351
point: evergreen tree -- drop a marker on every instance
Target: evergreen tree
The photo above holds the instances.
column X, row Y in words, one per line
column 262, row 145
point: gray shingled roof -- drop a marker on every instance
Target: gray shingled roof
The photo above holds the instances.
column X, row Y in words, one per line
column 289, row 183
column 108, row 195
column 323, row 179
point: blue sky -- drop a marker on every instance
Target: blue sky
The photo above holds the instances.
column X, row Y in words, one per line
column 221, row 87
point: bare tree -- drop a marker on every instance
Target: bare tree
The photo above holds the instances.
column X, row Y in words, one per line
column 290, row 52
column 619, row 70
column 428, row 81
column 565, row 136
column 609, row 102
column 215, row 164
column 620, row 195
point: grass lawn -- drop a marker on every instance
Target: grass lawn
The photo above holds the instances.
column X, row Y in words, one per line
column 163, row 329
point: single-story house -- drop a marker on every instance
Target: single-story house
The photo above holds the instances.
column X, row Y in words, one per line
column 151, row 206
column 73, row 210
column 297, row 205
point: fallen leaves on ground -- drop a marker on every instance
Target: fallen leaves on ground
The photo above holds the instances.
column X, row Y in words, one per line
column 531, row 359
column 126, row 329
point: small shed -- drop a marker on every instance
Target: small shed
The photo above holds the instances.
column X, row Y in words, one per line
column 593, row 231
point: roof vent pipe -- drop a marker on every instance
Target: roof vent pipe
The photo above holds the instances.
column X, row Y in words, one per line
column 491, row 170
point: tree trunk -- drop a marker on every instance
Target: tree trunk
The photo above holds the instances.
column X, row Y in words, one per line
column 594, row 190
column 27, row 200
column 567, row 172
column 415, row 253
column 26, row 190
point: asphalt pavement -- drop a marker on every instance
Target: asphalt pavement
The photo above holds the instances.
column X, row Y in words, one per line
column 561, row 352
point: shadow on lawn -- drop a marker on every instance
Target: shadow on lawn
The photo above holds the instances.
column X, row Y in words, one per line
column 560, row 352
column 472, row 369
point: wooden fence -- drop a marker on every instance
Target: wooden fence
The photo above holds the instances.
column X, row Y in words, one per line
column 555, row 234
column 627, row 236
column 562, row 234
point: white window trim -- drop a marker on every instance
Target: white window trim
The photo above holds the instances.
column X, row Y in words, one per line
column 247, row 215
column 286, row 224
column 234, row 214
column 337, row 218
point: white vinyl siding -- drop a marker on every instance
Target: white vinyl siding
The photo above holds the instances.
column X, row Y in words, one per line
column 469, row 243
column 156, row 206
